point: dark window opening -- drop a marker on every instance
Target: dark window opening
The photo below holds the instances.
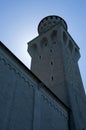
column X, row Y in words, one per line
column 52, row 78
column 54, row 36
column 51, row 63
column 39, row 57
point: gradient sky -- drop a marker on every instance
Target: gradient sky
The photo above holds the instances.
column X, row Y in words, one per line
column 19, row 20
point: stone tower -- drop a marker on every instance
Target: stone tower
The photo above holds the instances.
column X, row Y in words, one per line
column 55, row 58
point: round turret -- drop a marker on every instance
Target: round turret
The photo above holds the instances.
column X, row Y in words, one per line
column 50, row 21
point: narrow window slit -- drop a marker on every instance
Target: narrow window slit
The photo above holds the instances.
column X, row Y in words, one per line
column 52, row 78
column 51, row 63
column 39, row 57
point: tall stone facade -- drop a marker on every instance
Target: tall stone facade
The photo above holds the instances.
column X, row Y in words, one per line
column 55, row 58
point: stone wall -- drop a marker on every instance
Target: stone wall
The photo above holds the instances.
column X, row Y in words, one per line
column 25, row 103
column 75, row 88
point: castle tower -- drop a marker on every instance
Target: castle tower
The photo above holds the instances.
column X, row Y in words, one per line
column 55, row 58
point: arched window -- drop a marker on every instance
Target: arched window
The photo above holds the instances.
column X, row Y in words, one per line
column 54, row 36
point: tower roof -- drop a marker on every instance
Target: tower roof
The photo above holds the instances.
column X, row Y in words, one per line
column 50, row 21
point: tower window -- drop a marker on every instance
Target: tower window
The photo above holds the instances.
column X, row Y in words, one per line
column 40, row 57
column 52, row 78
column 51, row 63
column 44, row 42
column 51, row 50
column 54, row 36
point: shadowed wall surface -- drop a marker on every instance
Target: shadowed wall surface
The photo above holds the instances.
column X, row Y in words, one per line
column 25, row 102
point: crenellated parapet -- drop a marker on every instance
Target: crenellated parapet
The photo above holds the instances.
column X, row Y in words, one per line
column 50, row 21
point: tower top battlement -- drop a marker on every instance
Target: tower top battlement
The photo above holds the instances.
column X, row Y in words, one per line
column 50, row 21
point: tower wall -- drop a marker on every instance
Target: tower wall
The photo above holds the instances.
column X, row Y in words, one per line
column 47, row 61
column 55, row 58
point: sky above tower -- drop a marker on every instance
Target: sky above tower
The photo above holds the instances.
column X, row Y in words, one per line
column 19, row 21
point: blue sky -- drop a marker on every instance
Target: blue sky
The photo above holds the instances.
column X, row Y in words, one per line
column 19, row 20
